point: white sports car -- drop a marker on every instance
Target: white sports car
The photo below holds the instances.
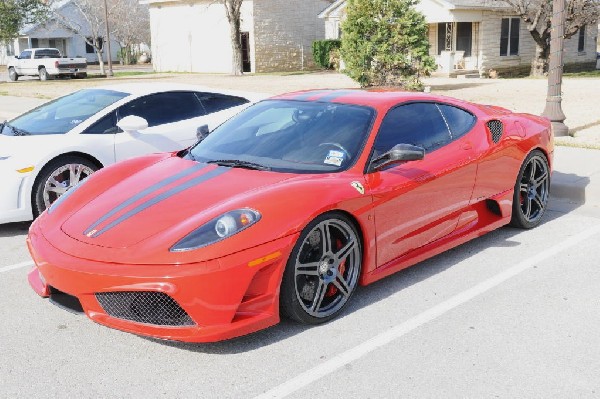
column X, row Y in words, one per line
column 51, row 148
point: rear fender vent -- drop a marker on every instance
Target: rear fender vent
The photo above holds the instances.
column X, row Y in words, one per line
column 496, row 128
column 148, row 307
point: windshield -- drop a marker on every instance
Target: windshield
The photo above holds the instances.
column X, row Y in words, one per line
column 63, row 114
column 290, row 136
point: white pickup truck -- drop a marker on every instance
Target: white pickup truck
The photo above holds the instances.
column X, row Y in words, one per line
column 45, row 63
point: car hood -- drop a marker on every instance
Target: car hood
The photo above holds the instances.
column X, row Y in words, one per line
column 155, row 199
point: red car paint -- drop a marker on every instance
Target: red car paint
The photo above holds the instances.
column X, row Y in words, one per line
column 407, row 213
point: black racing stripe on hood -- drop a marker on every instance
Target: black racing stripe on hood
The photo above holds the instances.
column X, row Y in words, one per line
column 145, row 192
column 161, row 197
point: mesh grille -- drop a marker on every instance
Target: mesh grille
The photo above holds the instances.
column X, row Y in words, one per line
column 496, row 129
column 147, row 307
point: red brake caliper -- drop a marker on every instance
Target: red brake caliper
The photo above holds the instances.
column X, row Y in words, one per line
column 332, row 289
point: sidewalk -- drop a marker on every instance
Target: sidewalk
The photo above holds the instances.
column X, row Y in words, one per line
column 576, row 175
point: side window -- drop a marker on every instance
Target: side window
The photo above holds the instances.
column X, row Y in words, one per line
column 214, row 102
column 417, row 124
column 105, row 125
column 162, row 108
column 459, row 121
column 25, row 55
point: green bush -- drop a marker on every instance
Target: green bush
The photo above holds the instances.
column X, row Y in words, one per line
column 322, row 50
column 385, row 44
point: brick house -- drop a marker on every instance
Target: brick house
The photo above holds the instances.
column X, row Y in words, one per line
column 193, row 35
column 476, row 37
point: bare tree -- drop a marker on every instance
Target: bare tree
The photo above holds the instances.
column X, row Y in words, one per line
column 92, row 30
column 537, row 14
column 233, row 11
column 131, row 27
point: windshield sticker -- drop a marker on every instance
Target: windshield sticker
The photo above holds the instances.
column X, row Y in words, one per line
column 334, row 158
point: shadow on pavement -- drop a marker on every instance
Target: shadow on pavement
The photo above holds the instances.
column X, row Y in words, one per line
column 14, row 229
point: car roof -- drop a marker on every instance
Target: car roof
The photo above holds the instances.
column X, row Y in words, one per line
column 140, row 89
column 378, row 98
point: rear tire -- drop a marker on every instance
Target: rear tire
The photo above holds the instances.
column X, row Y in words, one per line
column 43, row 74
column 12, row 74
column 56, row 178
column 532, row 188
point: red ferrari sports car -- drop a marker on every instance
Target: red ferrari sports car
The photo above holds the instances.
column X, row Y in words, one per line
column 285, row 209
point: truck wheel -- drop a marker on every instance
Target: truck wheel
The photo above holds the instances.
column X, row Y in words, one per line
column 44, row 74
column 82, row 75
column 12, row 74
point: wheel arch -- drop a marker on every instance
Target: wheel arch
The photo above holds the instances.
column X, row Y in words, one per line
column 79, row 154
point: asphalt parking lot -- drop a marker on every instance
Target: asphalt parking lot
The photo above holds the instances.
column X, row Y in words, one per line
column 511, row 314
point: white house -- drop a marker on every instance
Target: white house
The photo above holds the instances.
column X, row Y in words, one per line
column 474, row 36
column 193, row 35
column 52, row 34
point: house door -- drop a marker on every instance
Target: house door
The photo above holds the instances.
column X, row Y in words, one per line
column 246, row 65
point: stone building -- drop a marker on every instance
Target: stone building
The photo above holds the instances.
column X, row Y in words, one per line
column 193, row 35
column 478, row 37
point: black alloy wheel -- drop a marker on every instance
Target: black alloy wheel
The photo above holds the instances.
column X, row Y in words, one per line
column 322, row 271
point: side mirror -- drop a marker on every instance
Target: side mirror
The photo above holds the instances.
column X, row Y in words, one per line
column 132, row 124
column 16, row 56
column 398, row 153
column 202, row 132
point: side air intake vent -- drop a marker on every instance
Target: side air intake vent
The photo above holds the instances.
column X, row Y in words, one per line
column 144, row 307
column 496, row 128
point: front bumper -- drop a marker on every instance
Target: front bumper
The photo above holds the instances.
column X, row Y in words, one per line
column 224, row 298
column 15, row 200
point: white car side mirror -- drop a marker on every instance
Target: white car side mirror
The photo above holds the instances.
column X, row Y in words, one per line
column 132, row 123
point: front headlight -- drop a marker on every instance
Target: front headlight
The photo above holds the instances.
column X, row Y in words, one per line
column 218, row 229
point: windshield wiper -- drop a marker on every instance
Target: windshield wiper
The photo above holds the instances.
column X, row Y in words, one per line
column 16, row 131
column 236, row 163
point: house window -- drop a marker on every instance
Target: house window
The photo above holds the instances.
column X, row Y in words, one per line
column 89, row 49
column 509, row 36
column 35, row 43
column 581, row 42
column 52, row 43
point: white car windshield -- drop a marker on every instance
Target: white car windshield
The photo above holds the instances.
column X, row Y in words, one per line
column 289, row 136
column 63, row 114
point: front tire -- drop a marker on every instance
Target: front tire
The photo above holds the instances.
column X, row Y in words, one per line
column 56, row 178
column 13, row 75
column 322, row 271
column 531, row 191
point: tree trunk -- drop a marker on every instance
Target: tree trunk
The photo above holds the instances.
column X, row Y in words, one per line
column 100, row 61
column 539, row 64
column 232, row 8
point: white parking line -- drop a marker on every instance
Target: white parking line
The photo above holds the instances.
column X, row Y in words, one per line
column 16, row 266
column 355, row 353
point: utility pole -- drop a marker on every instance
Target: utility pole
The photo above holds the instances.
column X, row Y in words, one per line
column 553, row 110
column 109, row 55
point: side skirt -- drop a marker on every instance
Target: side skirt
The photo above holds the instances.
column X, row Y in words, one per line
column 486, row 221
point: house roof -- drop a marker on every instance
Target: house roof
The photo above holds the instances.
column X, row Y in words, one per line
column 28, row 28
column 447, row 4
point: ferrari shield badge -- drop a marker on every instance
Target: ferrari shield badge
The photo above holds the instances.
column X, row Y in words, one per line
column 359, row 187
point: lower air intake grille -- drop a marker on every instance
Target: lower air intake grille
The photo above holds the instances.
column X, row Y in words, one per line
column 496, row 129
column 147, row 307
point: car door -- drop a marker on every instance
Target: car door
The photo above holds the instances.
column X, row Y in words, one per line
column 172, row 123
column 23, row 64
column 100, row 136
column 418, row 202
